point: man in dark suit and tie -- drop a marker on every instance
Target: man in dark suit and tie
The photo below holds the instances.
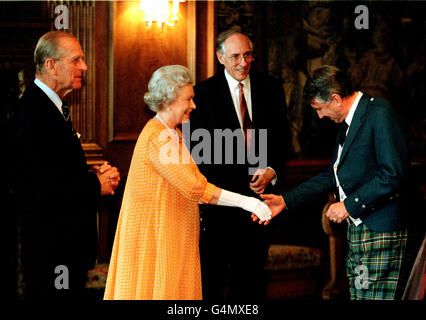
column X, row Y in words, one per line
column 248, row 109
column 369, row 174
column 57, row 195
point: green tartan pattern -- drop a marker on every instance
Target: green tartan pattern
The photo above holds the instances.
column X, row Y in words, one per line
column 374, row 262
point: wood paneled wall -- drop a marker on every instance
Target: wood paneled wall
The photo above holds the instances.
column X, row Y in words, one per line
column 206, row 39
column 134, row 52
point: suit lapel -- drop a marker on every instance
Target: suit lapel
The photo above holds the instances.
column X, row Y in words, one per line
column 48, row 107
column 254, row 98
column 53, row 122
column 53, row 115
column 356, row 124
column 227, row 108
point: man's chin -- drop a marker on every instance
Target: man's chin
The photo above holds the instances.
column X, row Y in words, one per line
column 242, row 75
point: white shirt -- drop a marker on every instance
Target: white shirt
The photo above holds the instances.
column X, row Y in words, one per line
column 235, row 94
column 53, row 96
column 348, row 120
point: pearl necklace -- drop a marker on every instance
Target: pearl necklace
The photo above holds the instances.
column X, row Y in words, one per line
column 172, row 131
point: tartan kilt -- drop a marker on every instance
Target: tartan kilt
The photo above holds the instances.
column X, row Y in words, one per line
column 374, row 262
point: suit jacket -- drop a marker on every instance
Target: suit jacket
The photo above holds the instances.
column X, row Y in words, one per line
column 372, row 171
column 57, row 196
column 215, row 110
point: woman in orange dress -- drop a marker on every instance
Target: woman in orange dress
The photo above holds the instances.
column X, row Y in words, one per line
column 155, row 253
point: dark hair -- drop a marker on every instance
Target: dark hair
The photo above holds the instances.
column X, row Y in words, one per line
column 326, row 81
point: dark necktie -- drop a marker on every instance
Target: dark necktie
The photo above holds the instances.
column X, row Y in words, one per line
column 245, row 116
column 67, row 116
column 66, row 112
column 341, row 137
column 342, row 133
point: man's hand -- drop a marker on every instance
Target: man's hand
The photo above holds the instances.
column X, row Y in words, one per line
column 275, row 203
column 337, row 212
column 101, row 169
column 108, row 176
column 261, row 179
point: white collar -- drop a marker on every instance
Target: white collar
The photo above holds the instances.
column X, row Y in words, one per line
column 233, row 84
column 352, row 110
column 53, row 96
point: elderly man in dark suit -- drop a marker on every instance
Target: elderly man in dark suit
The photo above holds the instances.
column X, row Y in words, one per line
column 248, row 109
column 369, row 173
column 57, row 195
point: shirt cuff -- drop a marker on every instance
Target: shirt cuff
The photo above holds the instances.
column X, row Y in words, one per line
column 274, row 181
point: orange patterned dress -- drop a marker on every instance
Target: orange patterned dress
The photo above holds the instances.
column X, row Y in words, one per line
column 155, row 253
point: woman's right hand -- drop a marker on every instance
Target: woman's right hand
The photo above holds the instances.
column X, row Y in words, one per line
column 274, row 202
column 257, row 207
column 263, row 212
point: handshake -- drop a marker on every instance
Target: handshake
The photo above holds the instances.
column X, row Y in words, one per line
column 275, row 205
column 262, row 211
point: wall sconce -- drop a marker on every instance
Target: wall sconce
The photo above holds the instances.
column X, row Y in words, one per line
column 160, row 11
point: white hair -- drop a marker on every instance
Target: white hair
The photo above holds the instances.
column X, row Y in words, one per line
column 164, row 84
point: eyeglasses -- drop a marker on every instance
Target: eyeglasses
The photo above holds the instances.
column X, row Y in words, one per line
column 236, row 58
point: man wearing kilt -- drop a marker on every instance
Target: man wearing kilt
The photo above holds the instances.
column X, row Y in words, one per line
column 368, row 175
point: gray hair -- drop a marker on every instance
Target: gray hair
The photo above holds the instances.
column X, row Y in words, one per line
column 222, row 37
column 325, row 81
column 48, row 46
column 164, row 84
